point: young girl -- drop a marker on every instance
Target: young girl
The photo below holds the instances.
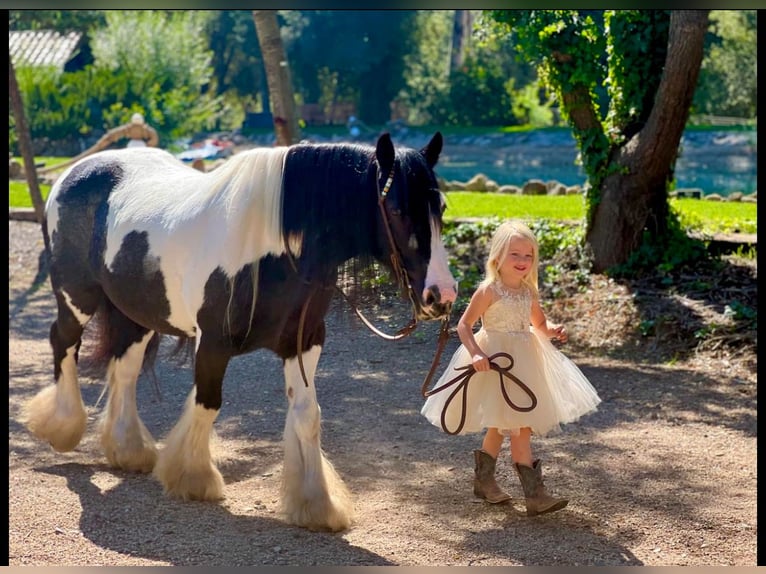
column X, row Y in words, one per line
column 542, row 390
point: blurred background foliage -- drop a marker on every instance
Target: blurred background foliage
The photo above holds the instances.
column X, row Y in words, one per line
column 196, row 71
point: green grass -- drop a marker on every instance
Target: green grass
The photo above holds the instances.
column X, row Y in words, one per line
column 705, row 216
column 464, row 204
column 718, row 217
column 18, row 191
column 18, row 194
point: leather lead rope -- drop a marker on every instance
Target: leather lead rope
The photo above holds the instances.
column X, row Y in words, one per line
column 400, row 334
column 299, row 346
column 440, row 344
column 461, row 383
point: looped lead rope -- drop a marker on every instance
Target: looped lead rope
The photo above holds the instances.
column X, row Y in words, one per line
column 461, row 384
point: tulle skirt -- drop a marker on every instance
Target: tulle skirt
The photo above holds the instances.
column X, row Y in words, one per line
column 556, row 391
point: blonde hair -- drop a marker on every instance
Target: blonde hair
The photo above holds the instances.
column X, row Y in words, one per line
column 498, row 250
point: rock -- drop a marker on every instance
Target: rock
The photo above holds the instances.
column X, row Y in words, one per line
column 534, row 187
column 735, row 196
column 558, row 189
column 14, row 169
column 477, row 183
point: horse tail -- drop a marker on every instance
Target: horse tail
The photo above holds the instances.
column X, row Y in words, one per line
column 101, row 333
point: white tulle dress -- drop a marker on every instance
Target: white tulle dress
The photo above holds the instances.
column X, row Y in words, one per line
column 559, row 393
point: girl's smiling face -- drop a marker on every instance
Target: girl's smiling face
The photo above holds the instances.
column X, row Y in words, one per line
column 518, row 261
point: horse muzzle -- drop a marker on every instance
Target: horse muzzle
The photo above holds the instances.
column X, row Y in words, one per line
column 436, row 302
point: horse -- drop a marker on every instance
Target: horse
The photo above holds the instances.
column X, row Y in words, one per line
column 244, row 257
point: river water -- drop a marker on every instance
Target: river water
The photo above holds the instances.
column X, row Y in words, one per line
column 720, row 161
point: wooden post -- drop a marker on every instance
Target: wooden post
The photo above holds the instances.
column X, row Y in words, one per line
column 25, row 143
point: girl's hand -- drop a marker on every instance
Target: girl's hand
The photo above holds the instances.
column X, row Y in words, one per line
column 480, row 362
column 558, row 333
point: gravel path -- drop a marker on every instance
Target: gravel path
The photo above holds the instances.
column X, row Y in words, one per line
column 663, row 474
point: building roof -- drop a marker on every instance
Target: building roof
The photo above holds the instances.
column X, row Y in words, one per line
column 42, row 47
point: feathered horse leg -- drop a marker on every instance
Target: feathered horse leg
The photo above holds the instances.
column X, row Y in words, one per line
column 313, row 494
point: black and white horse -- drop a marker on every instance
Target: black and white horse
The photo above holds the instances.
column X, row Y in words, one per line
column 241, row 258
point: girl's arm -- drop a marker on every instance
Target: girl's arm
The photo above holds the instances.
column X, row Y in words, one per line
column 480, row 301
column 551, row 330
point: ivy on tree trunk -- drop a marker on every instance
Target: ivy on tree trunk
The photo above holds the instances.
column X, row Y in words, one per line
column 628, row 154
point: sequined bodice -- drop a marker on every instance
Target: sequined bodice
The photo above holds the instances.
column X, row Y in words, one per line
column 511, row 311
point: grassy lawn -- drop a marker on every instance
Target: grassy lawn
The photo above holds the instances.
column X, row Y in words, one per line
column 706, row 216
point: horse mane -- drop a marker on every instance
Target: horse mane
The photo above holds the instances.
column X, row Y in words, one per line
column 329, row 201
column 335, row 186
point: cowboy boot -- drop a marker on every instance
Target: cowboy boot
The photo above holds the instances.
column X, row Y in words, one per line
column 484, row 485
column 537, row 498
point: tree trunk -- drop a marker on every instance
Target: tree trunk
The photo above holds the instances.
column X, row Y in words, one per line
column 461, row 35
column 634, row 197
column 277, row 76
column 25, row 143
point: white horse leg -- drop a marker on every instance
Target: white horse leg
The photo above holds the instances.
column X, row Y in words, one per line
column 127, row 443
column 57, row 414
column 313, row 494
column 185, row 467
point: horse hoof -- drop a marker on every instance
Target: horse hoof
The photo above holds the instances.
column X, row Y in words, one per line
column 142, row 461
column 60, row 424
column 204, row 484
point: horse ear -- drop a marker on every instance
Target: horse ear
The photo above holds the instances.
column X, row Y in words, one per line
column 384, row 152
column 433, row 149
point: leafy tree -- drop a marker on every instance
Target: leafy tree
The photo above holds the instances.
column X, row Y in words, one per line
column 728, row 83
column 483, row 91
column 649, row 62
column 59, row 106
column 238, row 73
column 164, row 62
column 58, row 20
column 357, row 54
column 426, row 73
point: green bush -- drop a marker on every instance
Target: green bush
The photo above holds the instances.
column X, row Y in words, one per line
column 144, row 61
column 54, row 105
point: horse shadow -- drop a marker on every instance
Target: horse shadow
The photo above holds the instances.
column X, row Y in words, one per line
column 135, row 518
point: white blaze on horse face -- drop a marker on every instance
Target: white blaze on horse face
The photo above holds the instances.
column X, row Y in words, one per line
column 438, row 268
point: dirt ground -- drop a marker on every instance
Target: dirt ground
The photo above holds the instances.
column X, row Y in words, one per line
column 664, row 474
